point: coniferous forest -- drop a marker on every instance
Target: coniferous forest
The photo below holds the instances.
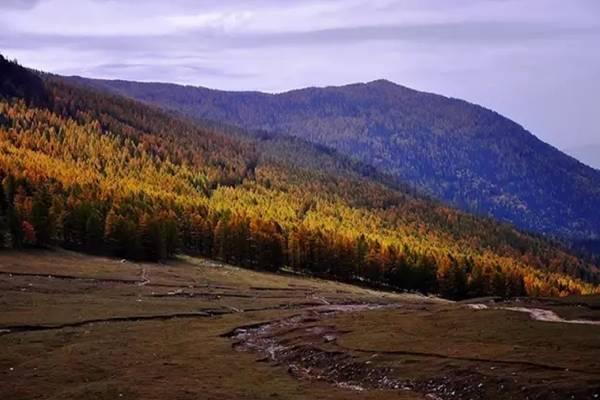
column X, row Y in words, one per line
column 104, row 174
column 462, row 153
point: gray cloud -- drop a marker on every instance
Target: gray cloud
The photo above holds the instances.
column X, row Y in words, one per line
column 535, row 63
column 456, row 33
column 18, row 4
column 133, row 70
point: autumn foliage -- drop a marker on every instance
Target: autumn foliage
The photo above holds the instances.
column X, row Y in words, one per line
column 104, row 174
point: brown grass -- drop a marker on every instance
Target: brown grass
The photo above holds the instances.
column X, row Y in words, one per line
column 116, row 335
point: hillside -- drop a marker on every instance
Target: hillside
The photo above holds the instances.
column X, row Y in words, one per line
column 106, row 174
column 456, row 151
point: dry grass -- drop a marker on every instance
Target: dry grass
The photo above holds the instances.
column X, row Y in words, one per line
column 98, row 328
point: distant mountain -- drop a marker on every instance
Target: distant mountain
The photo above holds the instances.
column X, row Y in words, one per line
column 102, row 173
column 589, row 154
column 457, row 151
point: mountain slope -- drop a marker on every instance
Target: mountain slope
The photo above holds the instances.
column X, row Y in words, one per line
column 107, row 174
column 457, row 151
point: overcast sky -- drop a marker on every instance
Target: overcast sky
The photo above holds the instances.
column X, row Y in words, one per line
column 535, row 61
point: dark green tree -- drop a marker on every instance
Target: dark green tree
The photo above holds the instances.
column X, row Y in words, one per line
column 40, row 213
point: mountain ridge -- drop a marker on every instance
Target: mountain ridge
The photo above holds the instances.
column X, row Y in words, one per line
column 102, row 173
column 463, row 153
column 588, row 155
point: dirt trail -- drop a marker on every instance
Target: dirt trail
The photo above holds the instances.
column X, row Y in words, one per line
column 144, row 280
column 537, row 314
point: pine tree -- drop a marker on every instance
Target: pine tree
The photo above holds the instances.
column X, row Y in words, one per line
column 94, row 233
column 40, row 218
column 4, row 232
column 478, row 283
column 221, row 236
column 13, row 221
column 498, row 284
column 121, row 236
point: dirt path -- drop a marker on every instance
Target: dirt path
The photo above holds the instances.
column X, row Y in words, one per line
column 537, row 314
column 144, row 277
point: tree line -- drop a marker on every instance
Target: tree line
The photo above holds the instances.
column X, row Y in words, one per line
column 142, row 228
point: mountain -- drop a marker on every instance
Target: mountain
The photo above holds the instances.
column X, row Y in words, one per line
column 459, row 152
column 589, row 154
column 18, row 82
column 102, row 173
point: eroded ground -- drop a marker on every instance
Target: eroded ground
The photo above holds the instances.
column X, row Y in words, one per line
column 74, row 326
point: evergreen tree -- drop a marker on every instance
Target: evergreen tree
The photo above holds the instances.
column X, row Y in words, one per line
column 40, row 219
column 498, row 284
column 94, row 233
column 4, row 232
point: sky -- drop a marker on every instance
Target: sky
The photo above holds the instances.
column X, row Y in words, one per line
column 535, row 61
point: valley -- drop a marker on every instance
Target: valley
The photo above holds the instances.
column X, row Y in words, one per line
column 77, row 326
column 299, row 200
column 145, row 255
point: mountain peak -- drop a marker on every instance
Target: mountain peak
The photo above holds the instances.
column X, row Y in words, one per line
column 382, row 82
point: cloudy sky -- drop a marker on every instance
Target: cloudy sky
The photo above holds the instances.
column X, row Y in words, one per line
column 536, row 61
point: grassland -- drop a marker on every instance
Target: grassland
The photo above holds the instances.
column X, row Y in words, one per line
column 75, row 327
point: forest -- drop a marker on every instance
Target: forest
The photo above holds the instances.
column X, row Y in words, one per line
column 103, row 174
column 466, row 155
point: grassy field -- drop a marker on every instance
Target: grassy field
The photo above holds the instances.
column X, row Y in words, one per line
column 75, row 327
